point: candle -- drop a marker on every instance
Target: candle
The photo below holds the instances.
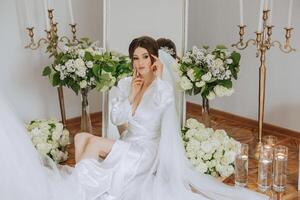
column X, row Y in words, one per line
column 271, row 12
column 260, row 16
column 49, row 4
column 241, row 13
column 46, row 15
column 266, row 4
column 290, row 14
column 27, row 15
column 71, row 12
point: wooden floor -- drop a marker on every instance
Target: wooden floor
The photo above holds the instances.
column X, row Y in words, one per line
column 238, row 129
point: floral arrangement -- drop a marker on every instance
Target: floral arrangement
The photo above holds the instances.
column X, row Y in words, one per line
column 209, row 73
column 210, row 152
column 49, row 138
column 87, row 66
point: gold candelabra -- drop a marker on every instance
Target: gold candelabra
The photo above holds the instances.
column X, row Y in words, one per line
column 52, row 40
column 263, row 42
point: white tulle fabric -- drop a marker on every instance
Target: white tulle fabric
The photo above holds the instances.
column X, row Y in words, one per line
column 147, row 163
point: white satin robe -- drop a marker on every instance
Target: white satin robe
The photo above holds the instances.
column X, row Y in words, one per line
column 121, row 174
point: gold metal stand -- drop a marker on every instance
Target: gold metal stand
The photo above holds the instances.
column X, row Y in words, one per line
column 263, row 42
column 52, row 40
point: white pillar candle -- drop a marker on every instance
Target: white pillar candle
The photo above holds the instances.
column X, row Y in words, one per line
column 266, row 4
column 290, row 14
column 271, row 12
column 260, row 19
column 46, row 15
column 50, row 4
column 28, row 18
column 71, row 12
column 241, row 13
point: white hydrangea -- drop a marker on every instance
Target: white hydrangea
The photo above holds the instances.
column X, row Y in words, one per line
column 185, row 83
column 218, row 63
column 89, row 64
column 83, row 84
column 200, row 84
column 49, row 137
column 211, row 152
column 191, row 74
column 221, row 91
column 206, row 77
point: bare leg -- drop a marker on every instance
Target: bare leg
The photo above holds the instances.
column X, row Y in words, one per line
column 97, row 146
column 80, row 141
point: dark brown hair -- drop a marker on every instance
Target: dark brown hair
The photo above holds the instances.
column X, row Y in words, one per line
column 145, row 42
column 164, row 42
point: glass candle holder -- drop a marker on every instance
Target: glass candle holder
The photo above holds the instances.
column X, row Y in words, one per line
column 265, row 168
column 241, row 166
column 270, row 140
column 280, row 168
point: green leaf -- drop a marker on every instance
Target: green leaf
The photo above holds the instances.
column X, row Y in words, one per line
column 75, row 87
column 221, row 46
column 88, row 56
column 236, row 57
column 56, row 80
column 47, row 71
column 226, row 83
column 96, row 69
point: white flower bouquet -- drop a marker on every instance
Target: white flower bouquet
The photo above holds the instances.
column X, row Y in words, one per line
column 87, row 66
column 49, row 138
column 208, row 73
column 210, row 152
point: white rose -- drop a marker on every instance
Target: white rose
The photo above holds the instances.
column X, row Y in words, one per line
column 200, row 84
column 202, row 135
column 65, row 139
column 69, row 64
column 206, row 77
column 221, row 91
column 89, row 64
column 218, row 63
column 202, row 168
column 191, row 133
column 81, row 53
column 56, row 135
column 211, row 95
column 57, row 68
column 79, row 63
column 229, row 157
column 83, row 84
column 229, row 61
column 191, row 74
column 186, row 59
column 185, row 83
column 44, row 148
column 206, row 146
column 191, row 123
column 81, row 72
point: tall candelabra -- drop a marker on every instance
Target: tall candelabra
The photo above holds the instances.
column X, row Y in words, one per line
column 263, row 42
column 52, row 40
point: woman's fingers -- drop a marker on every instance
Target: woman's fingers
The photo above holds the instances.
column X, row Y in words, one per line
column 156, row 58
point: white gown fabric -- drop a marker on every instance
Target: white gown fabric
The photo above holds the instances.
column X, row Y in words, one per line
column 147, row 163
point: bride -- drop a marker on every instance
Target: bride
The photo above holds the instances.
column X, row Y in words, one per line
column 147, row 163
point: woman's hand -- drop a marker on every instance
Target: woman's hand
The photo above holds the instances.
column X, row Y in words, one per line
column 157, row 67
column 136, row 85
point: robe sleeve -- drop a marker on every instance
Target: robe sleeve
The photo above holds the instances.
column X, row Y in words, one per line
column 164, row 94
column 121, row 110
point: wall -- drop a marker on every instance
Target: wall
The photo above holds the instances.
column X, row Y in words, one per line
column 214, row 22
